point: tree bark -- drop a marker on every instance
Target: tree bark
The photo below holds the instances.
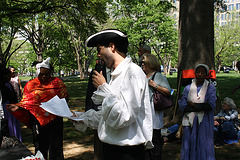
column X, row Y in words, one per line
column 196, row 34
column 196, row 39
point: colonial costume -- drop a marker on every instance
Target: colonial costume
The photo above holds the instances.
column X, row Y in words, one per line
column 198, row 122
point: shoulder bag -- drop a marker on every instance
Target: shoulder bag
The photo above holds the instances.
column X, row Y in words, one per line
column 161, row 101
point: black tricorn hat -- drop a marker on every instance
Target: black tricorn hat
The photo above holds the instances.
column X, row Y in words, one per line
column 105, row 35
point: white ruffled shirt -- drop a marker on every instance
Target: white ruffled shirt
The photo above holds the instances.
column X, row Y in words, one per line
column 125, row 115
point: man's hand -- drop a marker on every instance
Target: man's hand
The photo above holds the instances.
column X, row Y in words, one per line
column 98, row 79
column 12, row 107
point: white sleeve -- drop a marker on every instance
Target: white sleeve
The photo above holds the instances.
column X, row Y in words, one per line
column 90, row 118
column 234, row 115
column 120, row 111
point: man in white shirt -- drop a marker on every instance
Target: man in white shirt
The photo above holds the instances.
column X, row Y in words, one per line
column 125, row 124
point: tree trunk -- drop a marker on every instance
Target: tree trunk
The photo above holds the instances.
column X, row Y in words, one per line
column 39, row 57
column 196, row 34
column 196, row 40
column 219, row 68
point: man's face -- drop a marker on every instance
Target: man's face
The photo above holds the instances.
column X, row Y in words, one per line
column 140, row 51
column 44, row 75
column 12, row 72
column 106, row 55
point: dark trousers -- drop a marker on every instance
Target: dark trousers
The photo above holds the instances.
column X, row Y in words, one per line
column 97, row 147
column 113, row 152
column 156, row 152
column 48, row 138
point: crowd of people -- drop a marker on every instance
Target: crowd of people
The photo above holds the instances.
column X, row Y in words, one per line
column 119, row 106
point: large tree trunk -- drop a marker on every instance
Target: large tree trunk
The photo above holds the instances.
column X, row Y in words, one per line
column 196, row 41
column 196, row 34
column 196, row 37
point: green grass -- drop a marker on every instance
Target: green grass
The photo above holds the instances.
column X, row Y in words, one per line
column 226, row 82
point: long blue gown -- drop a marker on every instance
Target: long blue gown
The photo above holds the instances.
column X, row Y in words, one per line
column 13, row 124
column 197, row 141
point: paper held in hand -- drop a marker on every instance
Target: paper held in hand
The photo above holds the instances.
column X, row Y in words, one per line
column 59, row 107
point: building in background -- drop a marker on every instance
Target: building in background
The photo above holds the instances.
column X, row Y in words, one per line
column 232, row 13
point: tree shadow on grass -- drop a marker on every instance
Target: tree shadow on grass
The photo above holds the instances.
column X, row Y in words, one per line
column 84, row 156
column 172, row 150
column 228, row 151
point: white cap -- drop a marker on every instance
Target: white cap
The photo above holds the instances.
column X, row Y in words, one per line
column 44, row 64
column 203, row 65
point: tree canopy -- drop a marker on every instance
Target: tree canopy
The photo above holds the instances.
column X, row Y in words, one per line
column 58, row 29
column 147, row 22
column 51, row 26
column 226, row 39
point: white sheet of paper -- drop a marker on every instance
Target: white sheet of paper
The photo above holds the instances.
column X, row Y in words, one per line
column 57, row 107
column 76, row 118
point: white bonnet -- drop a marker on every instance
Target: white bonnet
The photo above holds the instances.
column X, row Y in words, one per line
column 44, row 64
column 203, row 65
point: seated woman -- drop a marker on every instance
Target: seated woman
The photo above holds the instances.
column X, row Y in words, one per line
column 225, row 122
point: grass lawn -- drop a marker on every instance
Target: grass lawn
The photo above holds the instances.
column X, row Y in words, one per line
column 78, row 145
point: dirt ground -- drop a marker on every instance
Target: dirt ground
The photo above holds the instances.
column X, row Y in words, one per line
column 83, row 150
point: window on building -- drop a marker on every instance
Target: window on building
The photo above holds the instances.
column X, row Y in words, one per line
column 223, row 17
column 231, row 7
column 238, row 6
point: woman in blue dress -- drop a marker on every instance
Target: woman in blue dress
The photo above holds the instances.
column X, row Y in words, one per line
column 197, row 104
column 9, row 96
